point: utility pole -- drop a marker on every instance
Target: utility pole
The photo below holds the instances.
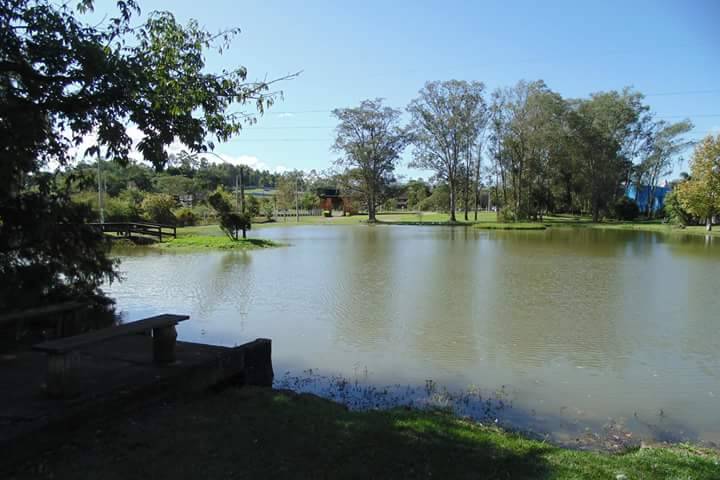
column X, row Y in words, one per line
column 242, row 191
column 297, row 209
column 100, row 189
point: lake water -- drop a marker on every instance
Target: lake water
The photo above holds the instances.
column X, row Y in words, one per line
column 578, row 328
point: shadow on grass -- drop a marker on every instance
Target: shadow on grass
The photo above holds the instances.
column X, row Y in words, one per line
column 262, row 433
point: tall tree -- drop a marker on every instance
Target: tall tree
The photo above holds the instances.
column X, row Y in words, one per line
column 700, row 195
column 371, row 140
column 63, row 79
column 606, row 129
column 665, row 144
column 445, row 119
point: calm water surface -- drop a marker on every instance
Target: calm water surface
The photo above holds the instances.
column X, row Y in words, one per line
column 579, row 326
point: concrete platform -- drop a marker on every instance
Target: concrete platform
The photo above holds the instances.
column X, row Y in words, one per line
column 115, row 375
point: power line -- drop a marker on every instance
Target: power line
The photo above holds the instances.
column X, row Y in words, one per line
column 687, row 92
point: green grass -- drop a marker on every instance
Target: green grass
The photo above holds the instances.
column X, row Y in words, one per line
column 260, row 433
column 215, row 242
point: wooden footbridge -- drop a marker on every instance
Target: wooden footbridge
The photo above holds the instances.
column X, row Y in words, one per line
column 128, row 229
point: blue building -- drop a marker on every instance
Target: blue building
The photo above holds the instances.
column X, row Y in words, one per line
column 641, row 196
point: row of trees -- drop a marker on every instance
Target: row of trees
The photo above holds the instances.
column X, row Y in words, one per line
column 543, row 153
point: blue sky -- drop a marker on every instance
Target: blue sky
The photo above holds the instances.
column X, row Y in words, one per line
column 350, row 51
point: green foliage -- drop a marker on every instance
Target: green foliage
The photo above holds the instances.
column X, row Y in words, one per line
column 675, row 212
column 327, row 213
column 700, row 195
column 232, row 223
column 186, row 217
column 309, row 201
column 158, row 207
column 417, row 191
column 438, row 201
column 506, row 214
column 175, row 185
column 63, row 79
column 267, row 208
column 390, row 204
column 625, row 209
column 371, row 140
column 252, row 206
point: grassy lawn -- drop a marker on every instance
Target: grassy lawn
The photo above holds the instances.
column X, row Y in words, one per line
column 261, row 433
column 486, row 221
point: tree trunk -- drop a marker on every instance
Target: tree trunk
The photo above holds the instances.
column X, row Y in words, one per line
column 451, row 184
column 708, row 224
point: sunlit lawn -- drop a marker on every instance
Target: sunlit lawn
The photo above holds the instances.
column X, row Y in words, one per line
column 486, row 220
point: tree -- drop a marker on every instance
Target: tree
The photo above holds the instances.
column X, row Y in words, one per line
column 417, row 191
column 286, row 191
column 607, row 131
column 232, row 223
column 62, row 80
column 252, row 206
column 700, row 195
column 445, row 119
column 665, row 144
column 371, row 140
column 158, row 208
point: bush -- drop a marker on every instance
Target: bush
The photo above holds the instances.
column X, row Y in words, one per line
column 625, row 209
column 186, row 217
column 234, row 223
column 252, row 205
column 506, row 215
column 267, row 209
column 119, row 210
column 674, row 211
column 327, row 213
column 158, row 208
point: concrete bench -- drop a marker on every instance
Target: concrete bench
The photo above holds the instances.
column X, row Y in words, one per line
column 60, row 375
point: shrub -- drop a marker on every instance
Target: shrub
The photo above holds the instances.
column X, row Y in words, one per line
column 625, row 209
column 252, row 205
column 158, row 208
column 267, row 209
column 506, row 214
column 327, row 213
column 674, row 211
column 119, row 210
column 186, row 217
column 234, row 223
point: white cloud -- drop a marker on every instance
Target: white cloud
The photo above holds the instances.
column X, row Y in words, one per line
column 286, row 115
column 248, row 160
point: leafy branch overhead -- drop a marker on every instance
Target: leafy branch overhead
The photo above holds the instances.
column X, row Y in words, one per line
column 63, row 79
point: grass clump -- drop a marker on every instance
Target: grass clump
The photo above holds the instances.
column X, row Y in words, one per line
column 262, row 433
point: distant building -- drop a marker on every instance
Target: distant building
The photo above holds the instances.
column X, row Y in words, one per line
column 330, row 199
column 641, row 196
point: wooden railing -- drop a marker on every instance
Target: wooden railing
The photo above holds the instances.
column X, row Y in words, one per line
column 127, row 229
